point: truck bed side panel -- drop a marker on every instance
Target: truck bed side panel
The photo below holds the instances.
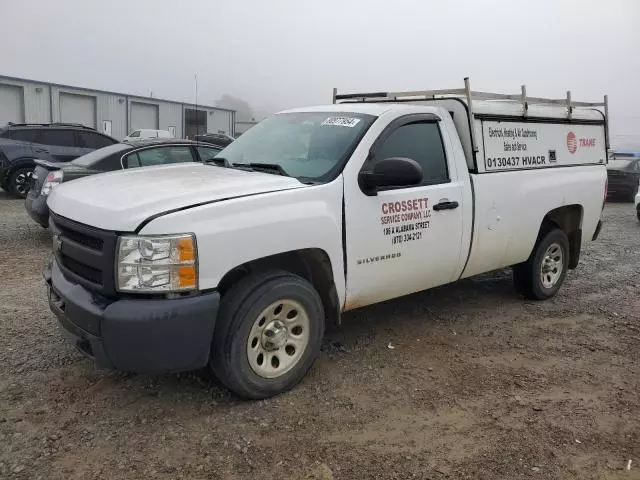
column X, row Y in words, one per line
column 510, row 206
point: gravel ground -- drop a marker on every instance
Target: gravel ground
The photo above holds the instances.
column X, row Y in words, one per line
column 479, row 384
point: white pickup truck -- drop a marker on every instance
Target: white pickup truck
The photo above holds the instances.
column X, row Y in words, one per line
column 315, row 211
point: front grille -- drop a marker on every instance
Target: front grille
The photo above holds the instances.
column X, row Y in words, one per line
column 85, row 254
column 86, row 271
column 83, row 239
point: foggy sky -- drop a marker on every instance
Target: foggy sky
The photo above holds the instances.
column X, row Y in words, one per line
column 277, row 54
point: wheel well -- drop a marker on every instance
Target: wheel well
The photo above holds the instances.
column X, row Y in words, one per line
column 22, row 163
column 312, row 264
column 568, row 219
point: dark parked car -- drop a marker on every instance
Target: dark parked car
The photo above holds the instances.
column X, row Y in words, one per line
column 623, row 176
column 219, row 139
column 138, row 153
column 21, row 144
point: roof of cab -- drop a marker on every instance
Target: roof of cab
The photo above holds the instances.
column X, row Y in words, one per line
column 376, row 109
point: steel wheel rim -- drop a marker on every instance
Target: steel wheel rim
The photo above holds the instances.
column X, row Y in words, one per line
column 278, row 338
column 552, row 265
column 22, row 180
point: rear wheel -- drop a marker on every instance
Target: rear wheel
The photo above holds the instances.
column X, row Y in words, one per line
column 542, row 275
column 268, row 333
column 20, row 181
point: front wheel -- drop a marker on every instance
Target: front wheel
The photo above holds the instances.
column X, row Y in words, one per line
column 20, row 181
column 268, row 333
column 542, row 275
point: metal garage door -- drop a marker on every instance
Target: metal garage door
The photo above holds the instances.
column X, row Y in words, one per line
column 143, row 115
column 78, row 109
column 220, row 122
column 11, row 104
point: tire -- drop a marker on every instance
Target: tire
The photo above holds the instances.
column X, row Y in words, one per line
column 254, row 306
column 552, row 250
column 19, row 181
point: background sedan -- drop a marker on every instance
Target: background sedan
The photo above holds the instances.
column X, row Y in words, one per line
column 142, row 153
column 623, row 176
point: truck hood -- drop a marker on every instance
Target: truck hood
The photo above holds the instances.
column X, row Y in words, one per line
column 123, row 200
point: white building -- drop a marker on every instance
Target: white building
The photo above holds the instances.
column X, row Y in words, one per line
column 116, row 114
column 241, row 127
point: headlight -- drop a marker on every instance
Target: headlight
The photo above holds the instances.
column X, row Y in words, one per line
column 53, row 180
column 166, row 263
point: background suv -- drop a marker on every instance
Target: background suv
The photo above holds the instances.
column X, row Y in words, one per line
column 22, row 144
column 220, row 139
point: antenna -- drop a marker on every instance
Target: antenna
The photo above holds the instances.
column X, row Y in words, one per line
column 197, row 130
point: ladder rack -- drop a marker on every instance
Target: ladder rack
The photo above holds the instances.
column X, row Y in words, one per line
column 471, row 95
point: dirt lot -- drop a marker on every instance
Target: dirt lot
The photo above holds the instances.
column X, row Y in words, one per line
column 479, row 384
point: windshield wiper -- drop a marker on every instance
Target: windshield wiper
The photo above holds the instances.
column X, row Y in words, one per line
column 218, row 162
column 272, row 168
column 263, row 167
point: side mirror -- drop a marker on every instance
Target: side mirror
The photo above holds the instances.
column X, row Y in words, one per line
column 389, row 173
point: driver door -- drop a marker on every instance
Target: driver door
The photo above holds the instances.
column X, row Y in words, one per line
column 401, row 240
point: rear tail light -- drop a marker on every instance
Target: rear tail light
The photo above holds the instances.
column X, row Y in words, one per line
column 53, row 180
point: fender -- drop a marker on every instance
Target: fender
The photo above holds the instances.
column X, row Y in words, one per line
column 236, row 231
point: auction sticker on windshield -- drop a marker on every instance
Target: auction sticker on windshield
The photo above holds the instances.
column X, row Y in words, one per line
column 342, row 121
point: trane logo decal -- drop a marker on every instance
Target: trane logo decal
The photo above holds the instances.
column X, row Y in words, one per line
column 573, row 142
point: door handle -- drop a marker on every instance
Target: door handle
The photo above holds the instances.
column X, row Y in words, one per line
column 445, row 206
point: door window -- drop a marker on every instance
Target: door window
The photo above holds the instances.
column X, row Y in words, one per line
column 93, row 140
column 60, row 138
column 419, row 141
column 135, row 134
column 159, row 156
column 23, row 135
column 207, row 153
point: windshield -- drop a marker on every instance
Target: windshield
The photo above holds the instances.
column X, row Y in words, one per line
column 97, row 155
column 309, row 145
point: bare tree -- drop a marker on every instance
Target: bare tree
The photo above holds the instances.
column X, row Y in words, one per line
column 244, row 112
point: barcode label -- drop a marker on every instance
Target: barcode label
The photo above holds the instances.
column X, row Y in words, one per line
column 341, row 121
